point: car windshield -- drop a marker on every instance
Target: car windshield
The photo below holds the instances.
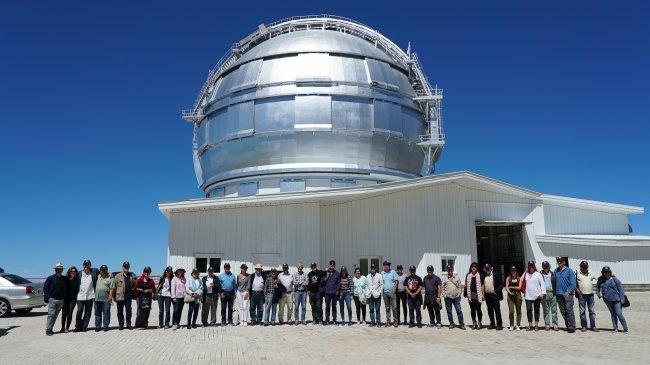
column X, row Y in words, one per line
column 15, row 279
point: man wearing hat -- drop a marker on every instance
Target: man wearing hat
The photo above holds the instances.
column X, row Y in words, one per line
column 401, row 294
column 315, row 277
column 86, row 296
column 389, row 295
column 210, row 296
column 375, row 287
column 413, row 290
column 103, row 299
column 54, row 294
column 451, row 292
column 270, row 306
column 549, row 302
column 331, row 283
column 493, row 287
column 256, row 293
column 565, row 284
column 300, row 283
column 123, row 294
column 228, row 288
column 585, row 294
column 286, row 300
column 432, row 289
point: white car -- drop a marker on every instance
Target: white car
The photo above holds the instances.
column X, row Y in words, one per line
column 19, row 294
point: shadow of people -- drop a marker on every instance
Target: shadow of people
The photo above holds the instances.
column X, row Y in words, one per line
column 5, row 330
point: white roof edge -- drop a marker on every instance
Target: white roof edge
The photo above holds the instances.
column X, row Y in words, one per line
column 591, row 204
column 597, row 240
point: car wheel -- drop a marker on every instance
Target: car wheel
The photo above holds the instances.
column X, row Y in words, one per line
column 5, row 308
column 24, row 310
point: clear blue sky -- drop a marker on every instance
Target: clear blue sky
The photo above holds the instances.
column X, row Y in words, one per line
column 552, row 96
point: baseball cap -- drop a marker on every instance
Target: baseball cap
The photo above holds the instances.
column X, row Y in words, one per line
column 584, row 264
column 87, row 263
column 412, row 267
column 285, row 265
column 274, row 269
column 487, row 266
column 147, row 269
column 195, row 270
column 513, row 269
column 126, row 265
column 386, row 263
column 559, row 259
column 430, row 268
column 226, row 265
column 449, row 267
column 400, row 267
column 606, row 269
column 313, row 264
column 546, row 264
column 169, row 268
column 373, row 266
column 103, row 267
column 531, row 263
column 332, row 262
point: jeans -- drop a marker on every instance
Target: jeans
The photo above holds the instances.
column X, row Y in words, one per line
column 270, row 309
column 390, row 303
column 243, row 307
column 192, row 312
column 54, row 306
column 549, row 305
column 361, row 309
column 514, row 307
column 346, row 297
column 566, row 309
column 616, row 311
column 257, row 306
column 586, row 302
column 209, row 307
column 475, row 311
column 178, row 310
column 300, row 303
column 164, row 315
column 84, row 308
column 402, row 300
column 102, row 315
column 316, row 303
column 459, row 312
column 66, row 312
column 415, row 309
column 330, row 304
column 121, row 305
column 494, row 310
column 532, row 307
column 375, row 314
column 227, row 302
column 434, row 311
column 286, row 300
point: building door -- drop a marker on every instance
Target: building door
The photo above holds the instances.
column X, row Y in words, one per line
column 366, row 261
column 502, row 246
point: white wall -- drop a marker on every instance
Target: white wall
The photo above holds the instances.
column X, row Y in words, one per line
column 566, row 220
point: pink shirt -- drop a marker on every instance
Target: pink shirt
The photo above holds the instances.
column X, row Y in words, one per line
column 178, row 287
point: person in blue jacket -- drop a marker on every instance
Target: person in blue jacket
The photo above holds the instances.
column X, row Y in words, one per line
column 54, row 294
column 611, row 290
column 565, row 285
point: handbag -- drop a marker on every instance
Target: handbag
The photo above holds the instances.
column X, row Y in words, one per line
column 188, row 298
column 626, row 302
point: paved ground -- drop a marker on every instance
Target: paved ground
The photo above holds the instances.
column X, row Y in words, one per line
column 22, row 341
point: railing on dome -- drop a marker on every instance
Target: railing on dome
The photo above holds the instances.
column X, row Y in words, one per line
column 429, row 99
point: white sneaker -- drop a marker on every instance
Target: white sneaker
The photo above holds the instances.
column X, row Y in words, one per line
column 517, row 328
column 510, row 328
column 245, row 324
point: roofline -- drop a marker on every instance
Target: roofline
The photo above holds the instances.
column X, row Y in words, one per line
column 592, row 204
column 602, row 241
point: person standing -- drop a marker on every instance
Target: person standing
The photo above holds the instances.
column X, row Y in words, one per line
column 360, row 285
column 300, row 283
column 256, row 292
column 228, row 287
column 375, row 289
column 315, row 278
column 549, row 303
column 270, row 307
column 86, row 296
column 565, row 284
column 345, row 295
column 103, row 299
column 401, row 294
column 210, row 297
column 451, row 292
column 123, row 295
column 243, row 296
column 493, row 288
column 612, row 291
column 413, row 291
column 143, row 290
column 535, row 289
column 389, row 277
column 178, row 296
column 164, row 290
column 513, row 287
column 70, row 300
column 193, row 289
column 331, row 282
column 475, row 295
column 286, row 300
column 432, row 302
column 585, row 294
column 54, row 291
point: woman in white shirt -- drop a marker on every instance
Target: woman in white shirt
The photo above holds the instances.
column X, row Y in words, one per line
column 165, row 297
column 535, row 289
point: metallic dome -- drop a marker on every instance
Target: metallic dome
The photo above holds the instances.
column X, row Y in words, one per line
column 311, row 97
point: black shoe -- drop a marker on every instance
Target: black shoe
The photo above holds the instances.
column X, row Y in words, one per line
column 128, row 327
column 49, row 333
column 120, row 328
column 419, row 325
column 451, row 326
column 411, row 325
column 571, row 331
column 105, row 329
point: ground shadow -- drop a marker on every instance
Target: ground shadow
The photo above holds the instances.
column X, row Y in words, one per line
column 5, row 330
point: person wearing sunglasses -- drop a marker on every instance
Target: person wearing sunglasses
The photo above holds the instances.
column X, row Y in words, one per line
column 54, row 294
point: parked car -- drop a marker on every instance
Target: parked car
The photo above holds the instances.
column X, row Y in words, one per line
column 19, row 294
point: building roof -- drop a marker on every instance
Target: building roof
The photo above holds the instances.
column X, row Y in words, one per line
column 596, row 240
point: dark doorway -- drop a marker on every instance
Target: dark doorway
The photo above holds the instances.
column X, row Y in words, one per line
column 501, row 246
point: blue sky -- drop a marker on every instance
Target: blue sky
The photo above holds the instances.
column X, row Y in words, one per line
column 552, row 96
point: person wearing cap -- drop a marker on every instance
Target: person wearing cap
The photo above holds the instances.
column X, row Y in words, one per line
column 243, row 302
column 585, row 294
column 103, row 299
column 475, row 294
column 413, row 291
column 611, row 290
column 549, row 303
column 493, row 288
column 315, row 278
column 401, row 294
column 286, row 300
column 432, row 302
column 513, row 288
column 210, row 298
column 123, row 294
column 270, row 306
column 389, row 295
column 86, row 296
column 178, row 296
column 228, row 288
column 165, row 297
column 256, row 292
column 331, row 282
column 193, row 295
column 300, row 283
column 143, row 290
column 534, row 292
column 360, row 294
column 54, row 294
column 375, row 289
column 565, row 284
column 451, row 292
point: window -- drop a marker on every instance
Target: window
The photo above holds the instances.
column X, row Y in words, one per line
column 247, row 189
column 366, row 261
column 342, row 183
column 289, row 185
column 451, row 260
column 15, row 279
column 218, row 193
column 203, row 262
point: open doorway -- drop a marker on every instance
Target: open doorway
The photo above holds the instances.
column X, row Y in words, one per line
column 500, row 245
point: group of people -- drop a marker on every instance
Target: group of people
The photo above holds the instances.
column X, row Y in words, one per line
column 278, row 297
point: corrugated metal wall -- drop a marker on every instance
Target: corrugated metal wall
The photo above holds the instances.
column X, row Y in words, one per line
column 565, row 220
